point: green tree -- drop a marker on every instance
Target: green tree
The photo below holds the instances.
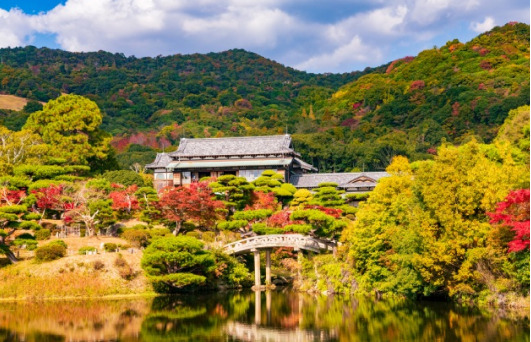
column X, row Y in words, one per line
column 177, row 263
column 327, row 195
column 235, row 192
column 70, row 125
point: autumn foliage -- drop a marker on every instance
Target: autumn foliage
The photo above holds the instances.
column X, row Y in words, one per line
column 194, row 203
column 513, row 212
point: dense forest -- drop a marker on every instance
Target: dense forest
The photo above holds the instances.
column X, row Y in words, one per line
column 339, row 122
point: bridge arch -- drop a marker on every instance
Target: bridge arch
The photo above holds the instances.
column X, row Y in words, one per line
column 255, row 244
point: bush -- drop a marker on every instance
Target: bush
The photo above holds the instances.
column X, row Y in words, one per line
column 209, row 236
column 136, row 237
column 124, row 269
column 31, row 216
column 110, row 247
column 58, row 242
column 124, row 177
column 42, row 234
column 50, row 251
column 178, row 263
column 29, row 225
column 98, row 265
column 29, row 244
column 158, row 232
column 84, row 250
column 193, row 234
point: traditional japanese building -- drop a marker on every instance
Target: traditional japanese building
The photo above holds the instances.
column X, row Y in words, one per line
column 241, row 156
column 351, row 182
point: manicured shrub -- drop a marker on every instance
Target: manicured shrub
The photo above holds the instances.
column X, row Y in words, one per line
column 42, row 234
column 208, row 236
column 29, row 244
column 58, row 242
column 158, row 232
column 86, row 249
column 110, row 247
column 136, row 237
column 50, row 251
column 193, row 234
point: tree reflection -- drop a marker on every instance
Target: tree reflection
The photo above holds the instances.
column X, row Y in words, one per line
column 248, row 316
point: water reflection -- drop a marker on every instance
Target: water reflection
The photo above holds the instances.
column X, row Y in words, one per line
column 248, row 316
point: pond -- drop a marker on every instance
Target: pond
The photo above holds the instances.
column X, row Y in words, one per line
column 282, row 315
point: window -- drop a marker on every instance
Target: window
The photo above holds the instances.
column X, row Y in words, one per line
column 187, row 177
column 163, row 176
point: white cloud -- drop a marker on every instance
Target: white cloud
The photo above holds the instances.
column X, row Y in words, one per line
column 343, row 36
column 342, row 57
column 14, row 30
column 486, row 25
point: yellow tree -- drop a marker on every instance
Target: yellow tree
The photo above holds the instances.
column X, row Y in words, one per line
column 23, row 147
column 70, row 124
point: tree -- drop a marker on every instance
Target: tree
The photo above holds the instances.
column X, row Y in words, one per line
column 124, row 177
column 21, row 147
column 327, row 195
column 301, row 197
column 124, row 199
column 70, row 125
column 147, row 201
column 177, row 263
column 194, row 203
column 513, row 213
column 235, row 192
column 424, row 230
column 49, row 198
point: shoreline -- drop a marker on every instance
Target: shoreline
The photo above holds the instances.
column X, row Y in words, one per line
column 83, row 298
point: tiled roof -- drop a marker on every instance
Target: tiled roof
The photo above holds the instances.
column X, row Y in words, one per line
column 344, row 180
column 237, row 146
column 161, row 161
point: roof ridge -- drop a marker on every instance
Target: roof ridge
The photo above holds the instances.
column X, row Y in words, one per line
column 245, row 137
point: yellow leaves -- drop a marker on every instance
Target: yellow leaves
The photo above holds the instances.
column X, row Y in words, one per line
column 430, row 219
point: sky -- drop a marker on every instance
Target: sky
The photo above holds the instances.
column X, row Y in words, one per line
column 311, row 35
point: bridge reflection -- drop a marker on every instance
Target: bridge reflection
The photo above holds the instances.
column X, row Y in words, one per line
column 265, row 331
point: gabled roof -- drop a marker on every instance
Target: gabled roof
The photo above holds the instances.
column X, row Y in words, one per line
column 344, row 179
column 161, row 161
column 236, row 146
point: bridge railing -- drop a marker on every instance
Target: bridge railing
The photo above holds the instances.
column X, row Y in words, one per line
column 296, row 241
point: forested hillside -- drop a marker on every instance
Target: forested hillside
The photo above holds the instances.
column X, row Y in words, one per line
column 357, row 120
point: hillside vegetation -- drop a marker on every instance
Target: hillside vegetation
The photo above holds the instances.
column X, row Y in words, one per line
column 339, row 122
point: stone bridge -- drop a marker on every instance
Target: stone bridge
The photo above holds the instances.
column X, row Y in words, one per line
column 266, row 242
column 253, row 332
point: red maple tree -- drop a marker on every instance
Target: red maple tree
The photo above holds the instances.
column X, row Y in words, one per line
column 10, row 197
column 262, row 200
column 195, row 203
column 50, row 198
column 513, row 212
column 124, row 199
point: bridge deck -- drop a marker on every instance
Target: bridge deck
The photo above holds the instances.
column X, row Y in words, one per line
column 296, row 241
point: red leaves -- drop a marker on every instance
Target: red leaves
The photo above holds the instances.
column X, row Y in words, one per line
column 419, row 84
column 124, row 198
column 455, row 109
column 335, row 213
column 194, row 203
column 11, row 197
column 514, row 213
column 50, row 197
column 261, row 200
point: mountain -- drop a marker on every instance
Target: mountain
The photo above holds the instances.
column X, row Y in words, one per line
column 350, row 121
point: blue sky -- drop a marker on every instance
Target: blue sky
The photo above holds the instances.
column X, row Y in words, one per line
column 310, row 35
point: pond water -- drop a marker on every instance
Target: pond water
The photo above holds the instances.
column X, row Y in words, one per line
column 282, row 315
